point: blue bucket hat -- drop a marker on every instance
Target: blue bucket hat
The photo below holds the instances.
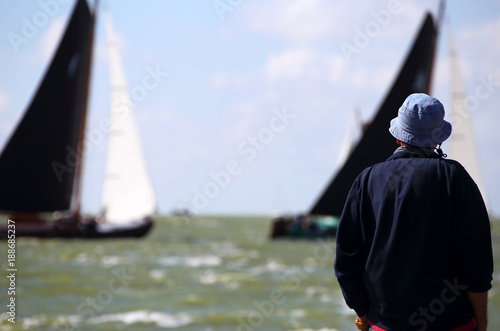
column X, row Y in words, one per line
column 420, row 121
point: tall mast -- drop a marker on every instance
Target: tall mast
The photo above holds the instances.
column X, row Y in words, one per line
column 79, row 164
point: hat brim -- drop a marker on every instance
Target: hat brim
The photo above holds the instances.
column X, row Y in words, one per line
column 437, row 137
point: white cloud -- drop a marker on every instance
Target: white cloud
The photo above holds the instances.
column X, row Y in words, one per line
column 294, row 20
column 327, row 22
column 304, row 63
column 221, row 81
column 291, row 64
column 336, row 65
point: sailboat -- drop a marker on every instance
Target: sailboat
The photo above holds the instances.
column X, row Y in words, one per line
column 128, row 198
column 375, row 145
column 462, row 143
column 41, row 164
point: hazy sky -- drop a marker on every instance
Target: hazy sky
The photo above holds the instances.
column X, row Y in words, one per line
column 253, row 97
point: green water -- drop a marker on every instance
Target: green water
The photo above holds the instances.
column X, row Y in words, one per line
column 205, row 273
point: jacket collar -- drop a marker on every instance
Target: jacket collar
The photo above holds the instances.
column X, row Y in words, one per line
column 413, row 152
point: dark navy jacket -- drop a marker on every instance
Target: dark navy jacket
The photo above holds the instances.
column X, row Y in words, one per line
column 414, row 235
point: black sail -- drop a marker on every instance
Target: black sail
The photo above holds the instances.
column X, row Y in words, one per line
column 377, row 144
column 40, row 162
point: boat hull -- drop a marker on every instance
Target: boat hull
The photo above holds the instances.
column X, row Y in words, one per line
column 304, row 227
column 134, row 229
column 70, row 228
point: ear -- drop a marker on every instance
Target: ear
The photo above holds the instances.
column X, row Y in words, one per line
column 399, row 142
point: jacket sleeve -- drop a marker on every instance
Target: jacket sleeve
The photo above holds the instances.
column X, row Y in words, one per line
column 473, row 238
column 350, row 261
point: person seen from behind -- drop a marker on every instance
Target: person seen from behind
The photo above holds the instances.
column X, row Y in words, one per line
column 413, row 246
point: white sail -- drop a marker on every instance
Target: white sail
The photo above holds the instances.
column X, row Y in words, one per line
column 127, row 193
column 462, row 141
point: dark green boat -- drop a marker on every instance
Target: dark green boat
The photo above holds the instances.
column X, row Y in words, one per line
column 305, row 226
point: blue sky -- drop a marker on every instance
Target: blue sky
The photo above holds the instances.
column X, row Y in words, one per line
column 254, row 97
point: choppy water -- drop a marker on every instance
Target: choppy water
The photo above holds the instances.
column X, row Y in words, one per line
column 206, row 273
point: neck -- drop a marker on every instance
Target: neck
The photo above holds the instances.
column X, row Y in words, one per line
column 431, row 148
column 422, row 151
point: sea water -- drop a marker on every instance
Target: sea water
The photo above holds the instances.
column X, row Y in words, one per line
column 192, row 273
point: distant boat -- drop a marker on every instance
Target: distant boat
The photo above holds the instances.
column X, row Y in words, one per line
column 376, row 143
column 462, row 142
column 41, row 164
